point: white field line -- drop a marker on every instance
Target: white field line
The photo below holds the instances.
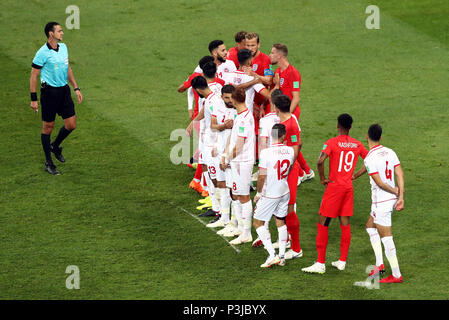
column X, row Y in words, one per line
column 211, row 229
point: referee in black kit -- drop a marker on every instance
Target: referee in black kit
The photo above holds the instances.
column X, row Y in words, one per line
column 52, row 62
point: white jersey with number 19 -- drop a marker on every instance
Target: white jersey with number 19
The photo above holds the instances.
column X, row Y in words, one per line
column 277, row 160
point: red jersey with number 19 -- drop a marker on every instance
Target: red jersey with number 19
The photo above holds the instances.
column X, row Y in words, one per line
column 343, row 152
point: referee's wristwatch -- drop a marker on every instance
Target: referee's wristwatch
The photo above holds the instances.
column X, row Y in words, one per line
column 77, row 88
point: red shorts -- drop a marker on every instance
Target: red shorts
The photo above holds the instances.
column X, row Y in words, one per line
column 293, row 183
column 337, row 201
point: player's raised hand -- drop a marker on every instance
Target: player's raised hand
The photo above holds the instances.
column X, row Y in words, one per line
column 399, row 205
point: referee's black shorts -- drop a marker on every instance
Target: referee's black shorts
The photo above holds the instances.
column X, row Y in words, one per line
column 56, row 100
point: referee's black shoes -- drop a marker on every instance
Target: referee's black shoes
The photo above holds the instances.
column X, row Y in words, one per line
column 51, row 169
column 57, row 152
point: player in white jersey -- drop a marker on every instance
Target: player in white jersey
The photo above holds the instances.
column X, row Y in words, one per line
column 240, row 153
column 222, row 122
column 218, row 50
column 206, row 88
column 273, row 193
column 240, row 79
column 382, row 165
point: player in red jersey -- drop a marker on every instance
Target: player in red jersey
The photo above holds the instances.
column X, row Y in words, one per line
column 239, row 45
column 292, row 139
column 260, row 65
column 343, row 152
column 288, row 79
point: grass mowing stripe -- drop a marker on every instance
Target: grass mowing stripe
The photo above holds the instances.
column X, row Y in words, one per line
column 211, row 229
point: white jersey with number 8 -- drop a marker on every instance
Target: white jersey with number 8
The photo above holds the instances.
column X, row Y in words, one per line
column 277, row 160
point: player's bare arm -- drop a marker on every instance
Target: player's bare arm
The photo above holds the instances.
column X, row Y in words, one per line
column 181, row 88
column 399, row 173
column 224, row 161
column 295, row 101
column 72, row 81
column 249, row 83
column 359, row 173
column 383, row 185
column 33, row 80
column 320, row 164
column 260, row 183
column 199, row 117
column 238, row 147
column 266, row 80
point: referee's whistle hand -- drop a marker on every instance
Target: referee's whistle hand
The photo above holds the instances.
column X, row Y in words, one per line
column 34, row 105
column 79, row 96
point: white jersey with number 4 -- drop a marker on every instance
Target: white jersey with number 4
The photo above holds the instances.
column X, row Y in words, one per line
column 243, row 127
column 382, row 161
column 277, row 160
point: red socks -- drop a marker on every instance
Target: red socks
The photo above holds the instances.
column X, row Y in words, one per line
column 198, row 172
column 321, row 242
column 303, row 163
column 292, row 222
column 345, row 241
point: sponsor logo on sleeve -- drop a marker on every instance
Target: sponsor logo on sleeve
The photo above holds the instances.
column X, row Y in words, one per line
column 241, row 129
column 324, row 147
column 296, row 84
column 294, row 138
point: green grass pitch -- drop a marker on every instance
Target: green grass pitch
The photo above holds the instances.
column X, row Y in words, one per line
column 118, row 211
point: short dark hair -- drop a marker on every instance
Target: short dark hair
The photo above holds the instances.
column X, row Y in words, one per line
column 214, row 44
column 243, row 56
column 205, row 60
column 50, row 27
column 375, row 132
column 282, row 102
column 239, row 95
column 227, row 88
column 345, row 120
column 281, row 47
column 240, row 36
column 209, row 70
column 278, row 131
column 275, row 94
column 199, row 82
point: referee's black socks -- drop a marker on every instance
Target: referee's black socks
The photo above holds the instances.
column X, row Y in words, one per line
column 63, row 133
column 45, row 138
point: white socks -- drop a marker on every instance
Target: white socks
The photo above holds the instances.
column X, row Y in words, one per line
column 283, row 237
column 225, row 202
column 390, row 252
column 377, row 246
column 247, row 214
column 265, row 236
column 212, row 194
column 237, row 212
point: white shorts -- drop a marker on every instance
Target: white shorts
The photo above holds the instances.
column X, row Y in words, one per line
column 381, row 213
column 214, row 169
column 267, row 207
column 241, row 177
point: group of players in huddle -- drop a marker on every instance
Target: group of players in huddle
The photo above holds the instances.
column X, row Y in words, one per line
column 244, row 113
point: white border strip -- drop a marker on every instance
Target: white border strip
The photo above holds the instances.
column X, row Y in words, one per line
column 211, row 229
